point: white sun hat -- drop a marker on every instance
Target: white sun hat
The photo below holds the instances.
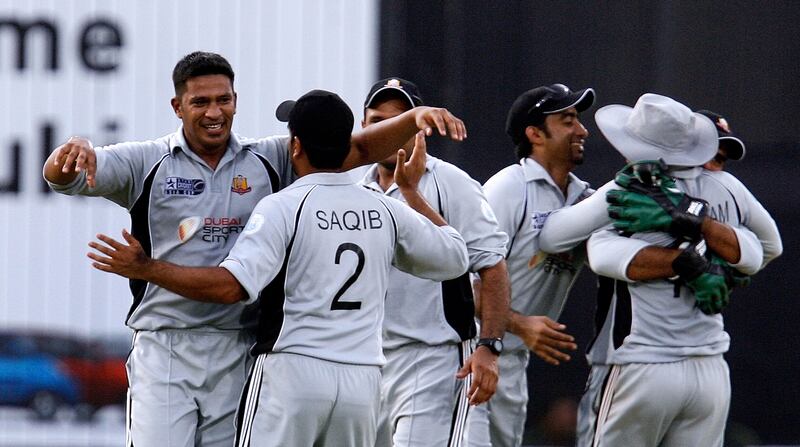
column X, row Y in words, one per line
column 658, row 127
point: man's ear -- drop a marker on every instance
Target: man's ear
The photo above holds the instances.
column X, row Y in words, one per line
column 363, row 124
column 296, row 148
column 176, row 106
column 235, row 97
column 534, row 134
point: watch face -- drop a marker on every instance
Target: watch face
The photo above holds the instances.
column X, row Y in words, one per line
column 494, row 344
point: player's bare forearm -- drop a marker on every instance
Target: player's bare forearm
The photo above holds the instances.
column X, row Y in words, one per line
column 494, row 292
column 418, row 203
column 208, row 284
column 652, row 263
column 721, row 239
column 380, row 140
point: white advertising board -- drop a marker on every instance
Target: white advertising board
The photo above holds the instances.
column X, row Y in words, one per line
column 102, row 69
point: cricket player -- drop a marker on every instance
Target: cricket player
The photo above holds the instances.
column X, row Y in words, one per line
column 545, row 126
column 426, row 341
column 572, row 225
column 319, row 254
column 660, row 335
column 189, row 195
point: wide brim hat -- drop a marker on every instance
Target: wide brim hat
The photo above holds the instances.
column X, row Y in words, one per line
column 658, row 127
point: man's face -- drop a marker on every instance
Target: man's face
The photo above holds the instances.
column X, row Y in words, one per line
column 566, row 137
column 383, row 111
column 206, row 109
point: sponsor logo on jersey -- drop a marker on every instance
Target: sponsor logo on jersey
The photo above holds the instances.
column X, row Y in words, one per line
column 219, row 229
column 239, row 185
column 539, row 218
column 179, row 186
column 554, row 263
column 188, row 227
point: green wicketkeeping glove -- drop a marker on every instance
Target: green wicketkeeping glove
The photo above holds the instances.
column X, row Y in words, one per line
column 709, row 277
column 646, row 172
column 651, row 202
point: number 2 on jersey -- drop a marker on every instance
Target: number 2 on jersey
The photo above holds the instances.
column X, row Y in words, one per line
column 348, row 305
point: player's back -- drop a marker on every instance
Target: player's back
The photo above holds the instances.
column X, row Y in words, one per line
column 321, row 250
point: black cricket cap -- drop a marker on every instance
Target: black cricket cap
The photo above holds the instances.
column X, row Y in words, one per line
column 533, row 106
column 734, row 147
column 318, row 118
column 397, row 87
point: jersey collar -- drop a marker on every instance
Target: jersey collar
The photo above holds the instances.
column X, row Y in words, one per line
column 177, row 142
column 370, row 179
column 533, row 171
column 323, row 178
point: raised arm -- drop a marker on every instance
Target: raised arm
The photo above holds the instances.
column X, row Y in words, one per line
column 407, row 175
column 380, row 140
column 68, row 160
column 567, row 227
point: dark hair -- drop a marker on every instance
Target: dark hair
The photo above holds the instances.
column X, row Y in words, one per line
column 199, row 63
column 325, row 157
column 524, row 147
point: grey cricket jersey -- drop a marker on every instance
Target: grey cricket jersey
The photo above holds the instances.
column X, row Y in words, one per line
column 650, row 324
column 570, row 226
column 184, row 212
column 321, row 251
column 522, row 196
column 446, row 315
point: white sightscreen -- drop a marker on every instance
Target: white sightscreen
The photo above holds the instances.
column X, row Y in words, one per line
column 102, row 69
column 111, row 81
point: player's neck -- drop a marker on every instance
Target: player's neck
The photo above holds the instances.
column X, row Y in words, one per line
column 385, row 177
column 558, row 170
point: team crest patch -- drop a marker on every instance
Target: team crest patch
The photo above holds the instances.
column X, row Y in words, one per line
column 240, row 186
column 179, row 186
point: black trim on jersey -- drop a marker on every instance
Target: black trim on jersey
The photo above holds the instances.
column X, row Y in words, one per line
column 623, row 315
column 606, row 289
column 274, row 178
column 140, row 229
column 457, row 299
column 605, row 293
column 273, row 297
column 459, row 306
column 394, row 222
column 522, row 221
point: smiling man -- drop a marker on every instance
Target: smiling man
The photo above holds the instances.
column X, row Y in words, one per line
column 189, row 194
column 544, row 125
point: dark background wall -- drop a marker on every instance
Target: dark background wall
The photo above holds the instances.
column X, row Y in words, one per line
column 737, row 58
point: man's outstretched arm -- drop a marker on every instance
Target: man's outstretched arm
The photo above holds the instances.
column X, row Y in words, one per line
column 380, row 140
column 208, row 284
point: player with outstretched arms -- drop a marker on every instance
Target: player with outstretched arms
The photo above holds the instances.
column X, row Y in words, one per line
column 318, row 254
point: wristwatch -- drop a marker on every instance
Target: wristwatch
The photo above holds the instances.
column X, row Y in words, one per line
column 494, row 344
